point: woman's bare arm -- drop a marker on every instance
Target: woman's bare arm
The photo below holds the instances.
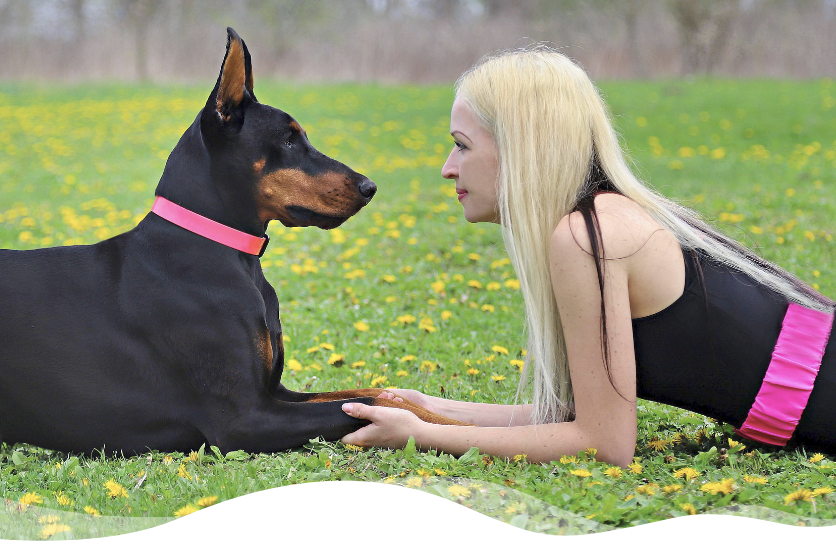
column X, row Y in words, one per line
column 605, row 418
column 480, row 414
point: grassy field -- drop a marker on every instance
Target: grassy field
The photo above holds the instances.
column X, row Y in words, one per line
column 408, row 294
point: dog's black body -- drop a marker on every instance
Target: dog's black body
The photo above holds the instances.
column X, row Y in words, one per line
column 160, row 338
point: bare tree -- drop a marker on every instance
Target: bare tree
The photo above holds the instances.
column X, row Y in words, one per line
column 705, row 27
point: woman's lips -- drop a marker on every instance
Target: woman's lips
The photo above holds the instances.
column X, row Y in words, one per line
column 461, row 193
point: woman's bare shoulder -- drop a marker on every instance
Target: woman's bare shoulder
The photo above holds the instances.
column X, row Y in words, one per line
column 624, row 227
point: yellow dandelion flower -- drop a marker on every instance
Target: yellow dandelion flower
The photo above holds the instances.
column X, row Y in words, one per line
column 658, row 445
column 688, row 508
column 635, row 468
column 31, row 498
column 499, row 349
column 518, row 363
column 336, row 359
column 181, row 472
column 646, row 489
column 115, row 490
column 440, row 472
column 437, row 286
column 401, row 373
column 415, row 482
column 458, row 491
column 725, row 486
column 613, row 472
column 581, row 473
column 427, row 325
column 294, row 365
column 512, row 284
column 446, row 315
column 752, row 479
column 520, row 457
column 428, row 366
column 566, row 459
column 45, row 519
column 63, row 500
column 310, row 350
column 671, row 488
column 408, row 358
column 493, row 286
column 358, row 364
column 327, row 346
column 474, row 283
column 390, row 480
column 92, row 511
column 686, row 472
column 352, row 447
column 389, row 278
column 207, row 501
column 52, row 530
column 167, row 459
column 378, row 380
column 488, row 308
column 472, row 371
column 822, row 490
column 186, row 510
column 802, row 495
column 361, row 326
column 498, row 378
column 816, row 458
column 407, row 319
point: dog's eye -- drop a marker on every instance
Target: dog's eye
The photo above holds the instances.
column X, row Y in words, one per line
column 288, row 143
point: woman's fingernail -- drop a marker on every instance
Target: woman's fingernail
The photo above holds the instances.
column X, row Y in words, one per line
column 348, row 407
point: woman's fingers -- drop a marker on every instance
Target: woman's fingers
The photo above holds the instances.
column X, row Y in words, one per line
column 357, row 410
column 390, row 395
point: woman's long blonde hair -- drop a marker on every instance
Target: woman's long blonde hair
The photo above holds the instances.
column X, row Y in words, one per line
column 552, row 131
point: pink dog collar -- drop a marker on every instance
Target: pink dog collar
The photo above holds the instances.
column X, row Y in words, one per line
column 210, row 229
column 790, row 376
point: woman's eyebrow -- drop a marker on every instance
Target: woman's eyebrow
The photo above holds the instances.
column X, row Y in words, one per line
column 460, row 133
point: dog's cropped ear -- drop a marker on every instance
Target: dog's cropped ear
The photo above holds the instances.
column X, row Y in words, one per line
column 233, row 90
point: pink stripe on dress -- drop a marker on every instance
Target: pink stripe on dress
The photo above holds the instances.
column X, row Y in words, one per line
column 790, row 376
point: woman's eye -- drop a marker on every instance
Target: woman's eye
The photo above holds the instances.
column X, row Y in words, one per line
column 460, row 146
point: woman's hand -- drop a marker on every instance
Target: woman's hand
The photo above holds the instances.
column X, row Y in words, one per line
column 389, row 428
column 412, row 395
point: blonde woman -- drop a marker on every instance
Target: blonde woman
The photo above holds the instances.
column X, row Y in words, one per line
column 627, row 294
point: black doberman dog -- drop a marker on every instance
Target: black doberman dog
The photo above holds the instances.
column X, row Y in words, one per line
column 161, row 338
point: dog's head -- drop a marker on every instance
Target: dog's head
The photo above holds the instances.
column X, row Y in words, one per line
column 290, row 180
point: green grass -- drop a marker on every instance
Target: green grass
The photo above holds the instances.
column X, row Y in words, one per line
column 758, row 158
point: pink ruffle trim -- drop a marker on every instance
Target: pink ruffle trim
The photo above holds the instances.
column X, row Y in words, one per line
column 790, row 376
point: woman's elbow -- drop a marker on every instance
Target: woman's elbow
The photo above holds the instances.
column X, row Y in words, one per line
column 617, row 452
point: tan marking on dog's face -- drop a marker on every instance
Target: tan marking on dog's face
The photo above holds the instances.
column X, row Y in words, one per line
column 330, row 194
column 296, row 127
column 232, row 78
column 258, row 166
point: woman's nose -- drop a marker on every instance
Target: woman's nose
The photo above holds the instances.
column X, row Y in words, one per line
column 450, row 170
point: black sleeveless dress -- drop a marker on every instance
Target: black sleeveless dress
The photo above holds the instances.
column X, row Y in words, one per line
column 708, row 351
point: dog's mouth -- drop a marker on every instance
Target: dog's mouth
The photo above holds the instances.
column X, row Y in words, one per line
column 304, row 217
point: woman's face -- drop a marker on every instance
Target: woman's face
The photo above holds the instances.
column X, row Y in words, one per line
column 473, row 164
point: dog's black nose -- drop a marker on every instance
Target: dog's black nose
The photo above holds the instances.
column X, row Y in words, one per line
column 367, row 188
